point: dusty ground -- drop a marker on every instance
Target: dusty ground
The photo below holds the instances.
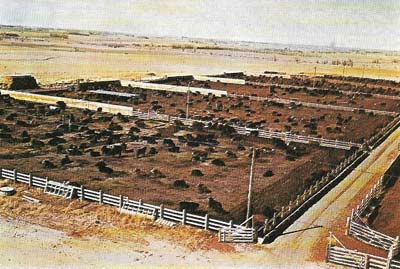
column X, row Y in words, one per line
column 123, row 244
column 326, row 97
column 389, row 212
column 96, row 56
column 131, row 176
column 276, row 117
column 120, row 242
column 330, row 213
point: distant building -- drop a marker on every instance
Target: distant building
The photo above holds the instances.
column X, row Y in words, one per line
column 19, row 82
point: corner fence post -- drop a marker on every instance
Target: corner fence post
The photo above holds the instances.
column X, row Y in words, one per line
column 348, row 223
column 366, row 266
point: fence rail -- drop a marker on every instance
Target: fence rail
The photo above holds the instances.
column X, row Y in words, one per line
column 237, row 235
column 127, row 205
column 151, row 115
column 353, row 258
column 315, row 105
column 281, row 219
column 359, row 229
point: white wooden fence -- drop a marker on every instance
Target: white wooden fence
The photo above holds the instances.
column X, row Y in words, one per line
column 355, row 259
column 314, row 105
column 273, row 226
column 237, row 235
column 359, row 229
column 171, row 88
column 126, row 205
column 151, row 115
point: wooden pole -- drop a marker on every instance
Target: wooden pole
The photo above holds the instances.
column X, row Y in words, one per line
column 15, row 176
column 187, row 101
column 100, row 197
column 250, row 184
column 315, row 73
column 161, row 211
column 184, row 216
column 82, row 192
column 121, row 201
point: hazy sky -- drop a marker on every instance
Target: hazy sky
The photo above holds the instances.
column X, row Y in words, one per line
column 371, row 24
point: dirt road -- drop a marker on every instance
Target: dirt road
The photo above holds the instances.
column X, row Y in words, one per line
column 305, row 239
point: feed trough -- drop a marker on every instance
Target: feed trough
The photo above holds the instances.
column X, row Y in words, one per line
column 7, row 191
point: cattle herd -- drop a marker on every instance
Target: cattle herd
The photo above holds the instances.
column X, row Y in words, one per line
column 203, row 169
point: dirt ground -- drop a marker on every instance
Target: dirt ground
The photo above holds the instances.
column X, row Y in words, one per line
column 388, row 214
column 132, row 176
column 326, row 97
column 86, row 235
column 275, row 117
column 121, row 241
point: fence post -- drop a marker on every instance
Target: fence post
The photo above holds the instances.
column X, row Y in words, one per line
column 348, row 223
column 231, row 224
column 184, row 216
column 328, row 247
column 366, row 266
column 161, row 211
column 206, row 222
column 389, row 258
column 30, row 180
column 82, row 192
column 15, row 176
column 100, row 196
column 47, row 183
column 121, row 201
column 274, row 219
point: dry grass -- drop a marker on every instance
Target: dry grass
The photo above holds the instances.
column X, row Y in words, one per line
column 58, row 59
column 85, row 219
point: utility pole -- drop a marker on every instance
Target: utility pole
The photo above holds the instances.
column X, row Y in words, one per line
column 250, row 184
column 187, row 101
column 315, row 74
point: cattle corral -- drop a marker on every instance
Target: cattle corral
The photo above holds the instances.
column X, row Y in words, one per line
column 203, row 169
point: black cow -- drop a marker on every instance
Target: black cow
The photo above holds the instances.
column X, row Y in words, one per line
column 141, row 152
